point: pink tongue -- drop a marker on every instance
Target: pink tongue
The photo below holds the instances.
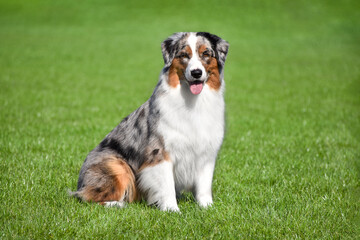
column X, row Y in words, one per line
column 196, row 88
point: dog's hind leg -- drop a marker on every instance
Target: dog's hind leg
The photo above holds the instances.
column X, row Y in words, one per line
column 110, row 182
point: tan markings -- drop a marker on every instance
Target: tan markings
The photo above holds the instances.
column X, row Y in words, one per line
column 214, row 75
column 124, row 178
column 188, row 50
column 201, row 49
column 211, row 66
column 113, row 180
column 166, row 156
column 174, row 79
column 178, row 66
column 154, row 157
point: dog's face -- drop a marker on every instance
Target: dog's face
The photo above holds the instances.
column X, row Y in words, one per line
column 195, row 59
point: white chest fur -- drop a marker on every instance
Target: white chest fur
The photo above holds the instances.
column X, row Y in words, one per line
column 193, row 128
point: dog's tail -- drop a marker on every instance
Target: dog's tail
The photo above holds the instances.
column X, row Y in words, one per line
column 110, row 183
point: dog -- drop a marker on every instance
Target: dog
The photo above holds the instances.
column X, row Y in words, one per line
column 170, row 143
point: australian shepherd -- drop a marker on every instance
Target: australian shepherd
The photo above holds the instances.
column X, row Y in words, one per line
column 170, row 143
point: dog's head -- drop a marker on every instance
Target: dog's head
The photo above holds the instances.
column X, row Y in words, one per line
column 195, row 58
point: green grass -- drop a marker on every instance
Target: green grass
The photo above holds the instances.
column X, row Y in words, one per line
column 289, row 166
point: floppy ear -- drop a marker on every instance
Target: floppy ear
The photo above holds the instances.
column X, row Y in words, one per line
column 219, row 45
column 170, row 47
column 222, row 48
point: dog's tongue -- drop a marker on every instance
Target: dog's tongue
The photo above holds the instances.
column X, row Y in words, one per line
column 196, row 87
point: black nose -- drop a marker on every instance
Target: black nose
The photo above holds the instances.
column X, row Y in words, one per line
column 196, row 73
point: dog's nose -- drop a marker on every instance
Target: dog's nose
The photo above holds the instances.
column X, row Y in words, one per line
column 196, row 73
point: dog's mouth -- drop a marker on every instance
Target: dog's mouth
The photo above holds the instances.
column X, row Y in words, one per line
column 196, row 86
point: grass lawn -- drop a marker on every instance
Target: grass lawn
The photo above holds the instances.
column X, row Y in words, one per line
column 290, row 163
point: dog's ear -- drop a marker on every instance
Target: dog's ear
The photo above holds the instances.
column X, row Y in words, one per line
column 170, row 47
column 222, row 48
column 219, row 45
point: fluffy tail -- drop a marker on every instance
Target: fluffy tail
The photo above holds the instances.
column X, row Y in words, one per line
column 110, row 183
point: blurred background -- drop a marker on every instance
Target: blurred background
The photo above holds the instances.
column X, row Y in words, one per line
column 279, row 50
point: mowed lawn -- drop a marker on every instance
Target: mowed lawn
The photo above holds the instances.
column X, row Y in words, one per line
column 289, row 166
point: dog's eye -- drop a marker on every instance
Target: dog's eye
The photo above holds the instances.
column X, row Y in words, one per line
column 206, row 53
column 183, row 55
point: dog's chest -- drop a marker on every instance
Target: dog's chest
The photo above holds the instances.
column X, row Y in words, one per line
column 192, row 129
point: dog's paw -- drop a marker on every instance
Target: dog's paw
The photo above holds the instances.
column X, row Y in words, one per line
column 205, row 201
column 118, row 204
column 169, row 208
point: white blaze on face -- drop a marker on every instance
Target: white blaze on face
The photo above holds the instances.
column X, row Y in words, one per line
column 195, row 64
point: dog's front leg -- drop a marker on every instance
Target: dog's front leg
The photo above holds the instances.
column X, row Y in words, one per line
column 203, row 183
column 157, row 184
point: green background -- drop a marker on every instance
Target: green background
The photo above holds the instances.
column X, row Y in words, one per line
column 289, row 166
